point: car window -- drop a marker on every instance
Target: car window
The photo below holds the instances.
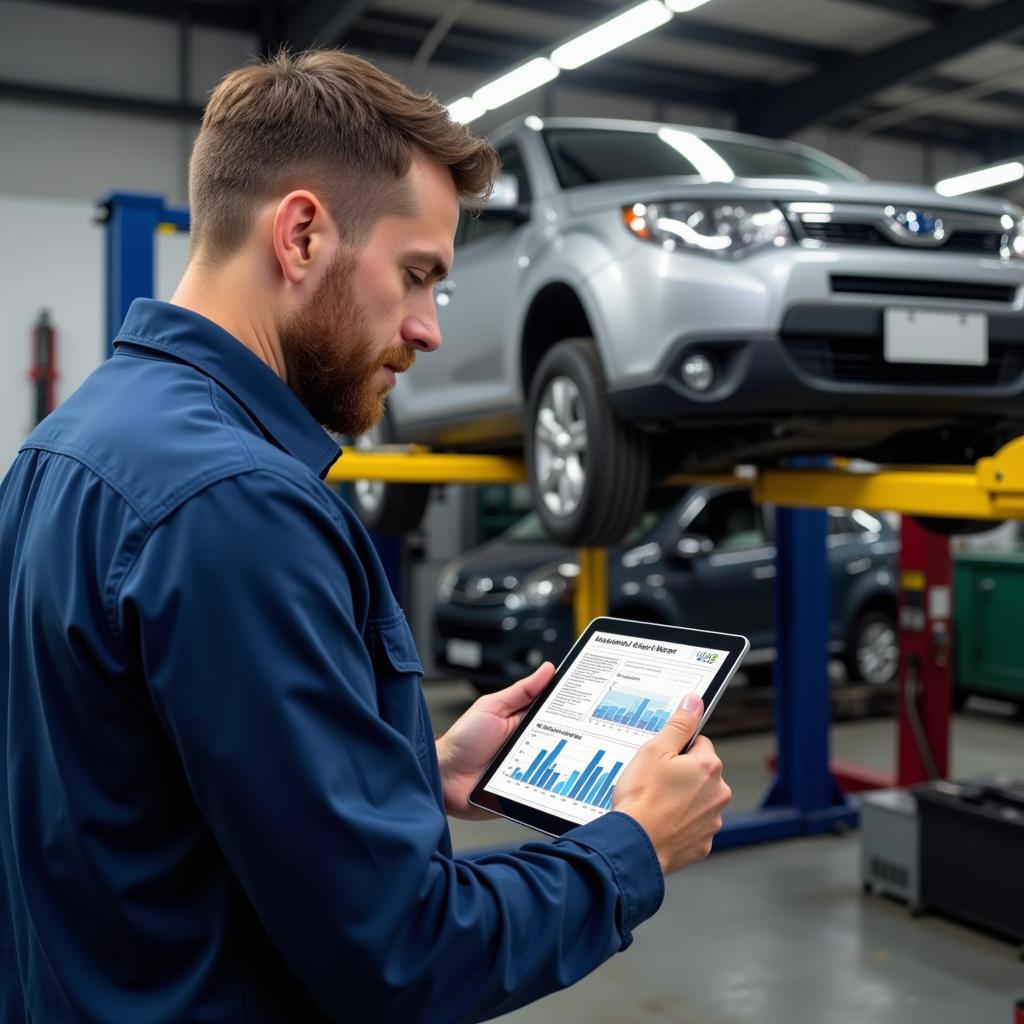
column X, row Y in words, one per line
column 584, row 156
column 731, row 521
column 471, row 228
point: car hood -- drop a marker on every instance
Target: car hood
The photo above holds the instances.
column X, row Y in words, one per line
column 590, row 198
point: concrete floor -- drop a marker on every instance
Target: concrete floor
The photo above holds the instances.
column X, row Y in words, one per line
column 782, row 933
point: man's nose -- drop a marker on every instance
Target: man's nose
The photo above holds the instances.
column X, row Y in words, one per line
column 422, row 331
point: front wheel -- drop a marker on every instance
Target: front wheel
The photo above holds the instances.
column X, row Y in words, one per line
column 873, row 651
column 588, row 470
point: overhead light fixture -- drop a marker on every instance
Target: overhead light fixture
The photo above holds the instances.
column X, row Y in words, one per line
column 516, row 83
column 708, row 164
column 610, row 34
column 682, row 6
column 975, row 181
column 465, row 110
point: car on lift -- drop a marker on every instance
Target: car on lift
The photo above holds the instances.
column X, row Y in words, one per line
column 641, row 298
column 703, row 558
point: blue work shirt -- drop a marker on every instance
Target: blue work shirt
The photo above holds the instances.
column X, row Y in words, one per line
column 221, row 799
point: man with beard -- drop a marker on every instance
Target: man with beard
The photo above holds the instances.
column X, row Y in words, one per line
column 222, row 801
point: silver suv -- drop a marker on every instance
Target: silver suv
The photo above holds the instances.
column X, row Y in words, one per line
column 643, row 298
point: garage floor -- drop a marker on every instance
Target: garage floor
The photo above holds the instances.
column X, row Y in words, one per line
column 781, row 933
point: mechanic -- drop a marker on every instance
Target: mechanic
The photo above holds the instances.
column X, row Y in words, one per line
column 222, row 800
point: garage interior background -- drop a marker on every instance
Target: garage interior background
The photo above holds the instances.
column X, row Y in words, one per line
column 98, row 96
column 105, row 95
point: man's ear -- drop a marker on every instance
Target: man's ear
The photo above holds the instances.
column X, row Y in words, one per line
column 304, row 236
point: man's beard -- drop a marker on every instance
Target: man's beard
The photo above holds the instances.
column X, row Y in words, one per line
column 328, row 349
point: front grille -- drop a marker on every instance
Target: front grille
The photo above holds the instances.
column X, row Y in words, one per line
column 845, row 234
column 861, row 361
column 986, row 243
column 919, row 288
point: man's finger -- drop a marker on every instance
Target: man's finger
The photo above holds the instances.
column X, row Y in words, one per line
column 676, row 732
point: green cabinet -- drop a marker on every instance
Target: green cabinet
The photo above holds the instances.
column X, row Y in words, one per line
column 989, row 622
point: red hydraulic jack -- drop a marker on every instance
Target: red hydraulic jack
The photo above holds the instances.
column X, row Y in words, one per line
column 43, row 369
column 926, row 666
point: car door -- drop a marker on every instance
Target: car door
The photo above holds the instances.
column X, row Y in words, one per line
column 471, row 376
column 731, row 588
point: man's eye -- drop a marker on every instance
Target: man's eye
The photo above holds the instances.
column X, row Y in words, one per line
column 414, row 279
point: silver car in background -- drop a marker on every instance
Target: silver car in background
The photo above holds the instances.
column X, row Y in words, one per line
column 641, row 298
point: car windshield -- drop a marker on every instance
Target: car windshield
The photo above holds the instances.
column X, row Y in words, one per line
column 530, row 528
column 585, row 156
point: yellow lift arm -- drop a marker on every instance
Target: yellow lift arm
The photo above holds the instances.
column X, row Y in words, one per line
column 991, row 489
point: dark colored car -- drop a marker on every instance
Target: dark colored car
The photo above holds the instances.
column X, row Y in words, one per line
column 704, row 558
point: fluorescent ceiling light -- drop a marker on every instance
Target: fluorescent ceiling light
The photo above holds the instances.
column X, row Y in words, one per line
column 615, row 32
column 682, row 6
column 516, row 83
column 465, row 110
column 987, row 177
column 709, row 165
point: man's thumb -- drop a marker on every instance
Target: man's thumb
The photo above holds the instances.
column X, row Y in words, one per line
column 681, row 726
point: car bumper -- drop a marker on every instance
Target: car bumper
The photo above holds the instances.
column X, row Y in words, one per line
column 506, row 641
column 827, row 360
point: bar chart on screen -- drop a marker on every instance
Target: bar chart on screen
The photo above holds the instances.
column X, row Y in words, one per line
column 634, row 708
column 573, row 769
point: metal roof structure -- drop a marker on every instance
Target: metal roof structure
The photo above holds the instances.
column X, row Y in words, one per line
column 943, row 71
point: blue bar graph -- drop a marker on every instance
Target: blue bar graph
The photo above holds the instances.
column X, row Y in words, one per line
column 594, row 785
column 647, row 714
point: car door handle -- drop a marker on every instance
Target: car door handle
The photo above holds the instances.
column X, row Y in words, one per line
column 763, row 572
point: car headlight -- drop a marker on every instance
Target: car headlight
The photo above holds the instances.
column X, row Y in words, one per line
column 1014, row 238
column 446, row 584
column 724, row 229
column 546, row 586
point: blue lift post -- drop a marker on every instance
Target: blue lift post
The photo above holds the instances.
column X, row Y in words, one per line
column 804, row 798
column 131, row 222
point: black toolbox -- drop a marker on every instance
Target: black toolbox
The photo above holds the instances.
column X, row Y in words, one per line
column 972, row 851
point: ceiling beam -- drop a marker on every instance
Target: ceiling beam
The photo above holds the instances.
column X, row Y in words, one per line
column 933, row 10
column 784, row 109
column 692, row 30
column 479, row 48
column 104, row 103
column 322, row 22
column 245, row 17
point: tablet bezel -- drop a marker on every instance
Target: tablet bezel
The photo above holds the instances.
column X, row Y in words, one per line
column 733, row 644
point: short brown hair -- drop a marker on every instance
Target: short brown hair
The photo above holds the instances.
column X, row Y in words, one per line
column 324, row 120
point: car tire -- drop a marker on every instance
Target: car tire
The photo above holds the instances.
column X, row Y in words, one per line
column 872, row 653
column 588, row 470
column 385, row 508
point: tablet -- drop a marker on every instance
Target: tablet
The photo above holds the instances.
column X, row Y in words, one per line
column 614, row 690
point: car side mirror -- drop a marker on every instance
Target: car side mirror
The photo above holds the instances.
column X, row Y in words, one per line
column 504, row 203
column 689, row 546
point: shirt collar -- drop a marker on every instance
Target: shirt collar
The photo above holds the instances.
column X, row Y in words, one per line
column 209, row 348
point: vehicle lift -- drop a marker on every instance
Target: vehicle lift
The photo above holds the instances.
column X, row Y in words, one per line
column 806, row 796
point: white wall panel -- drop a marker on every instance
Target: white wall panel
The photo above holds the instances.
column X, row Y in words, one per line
column 52, row 259
column 51, row 45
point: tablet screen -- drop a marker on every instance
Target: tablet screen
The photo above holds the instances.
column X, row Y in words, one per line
column 614, row 693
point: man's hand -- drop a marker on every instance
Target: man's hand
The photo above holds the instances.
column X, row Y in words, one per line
column 466, row 749
column 676, row 798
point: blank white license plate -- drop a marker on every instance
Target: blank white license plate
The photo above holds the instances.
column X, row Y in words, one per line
column 927, row 336
column 467, row 653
